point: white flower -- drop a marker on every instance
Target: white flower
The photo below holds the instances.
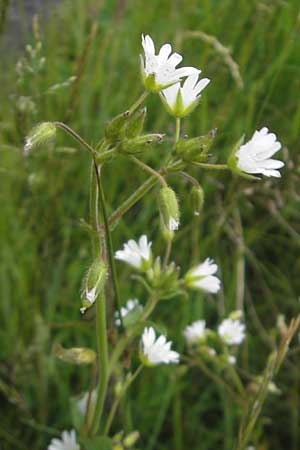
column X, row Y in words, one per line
column 159, row 71
column 232, row 332
column 195, row 332
column 231, row 360
column 255, row 155
column 136, row 254
column 157, row 351
column 83, row 401
column 202, row 277
column 180, row 101
column 67, row 442
column 130, row 306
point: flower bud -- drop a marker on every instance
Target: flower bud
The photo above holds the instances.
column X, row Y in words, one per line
column 168, row 206
column 41, row 134
column 136, row 123
column 93, row 284
column 139, row 143
column 76, row 355
column 114, row 130
column 195, row 149
column 197, row 199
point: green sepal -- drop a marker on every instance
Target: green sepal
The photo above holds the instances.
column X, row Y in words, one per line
column 135, row 123
column 139, row 143
column 115, row 129
column 195, row 149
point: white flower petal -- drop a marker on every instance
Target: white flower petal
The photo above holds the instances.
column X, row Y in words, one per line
column 231, row 331
column 254, row 156
column 157, row 351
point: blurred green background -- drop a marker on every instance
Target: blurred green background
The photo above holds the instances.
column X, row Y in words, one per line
column 250, row 50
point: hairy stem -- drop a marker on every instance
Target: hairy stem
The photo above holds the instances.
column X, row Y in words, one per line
column 138, row 102
column 150, row 170
column 102, row 360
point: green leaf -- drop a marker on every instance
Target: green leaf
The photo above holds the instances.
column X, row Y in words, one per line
column 97, row 443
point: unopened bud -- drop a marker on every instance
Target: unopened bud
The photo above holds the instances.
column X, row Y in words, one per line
column 168, row 206
column 131, row 439
column 136, row 123
column 76, row 355
column 195, row 149
column 139, row 143
column 41, row 134
column 114, row 130
column 93, row 284
column 197, row 199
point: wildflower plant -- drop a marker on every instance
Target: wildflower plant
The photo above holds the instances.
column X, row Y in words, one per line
column 215, row 351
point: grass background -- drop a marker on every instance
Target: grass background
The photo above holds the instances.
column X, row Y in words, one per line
column 250, row 228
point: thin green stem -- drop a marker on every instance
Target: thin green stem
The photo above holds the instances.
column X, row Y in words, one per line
column 138, row 102
column 167, row 252
column 102, row 360
column 189, row 178
column 177, row 130
column 117, row 400
column 108, row 238
column 125, row 340
column 140, row 192
column 72, row 133
column 217, row 379
column 149, row 169
column 132, row 200
column 212, row 166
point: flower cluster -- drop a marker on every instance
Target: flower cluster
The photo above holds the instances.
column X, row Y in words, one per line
column 180, row 90
column 230, row 332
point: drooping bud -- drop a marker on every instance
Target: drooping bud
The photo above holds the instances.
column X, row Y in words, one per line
column 139, row 143
column 76, row 355
column 115, row 129
column 39, row 135
column 197, row 199
column 169, row 210
column 195, row 149
column 93, row 283
column 136, row 123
